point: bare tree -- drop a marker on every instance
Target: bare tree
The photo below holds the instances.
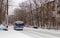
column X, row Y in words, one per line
column 31, row 13
column 2, row 10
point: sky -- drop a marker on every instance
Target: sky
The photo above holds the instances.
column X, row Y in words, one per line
column 14, row 4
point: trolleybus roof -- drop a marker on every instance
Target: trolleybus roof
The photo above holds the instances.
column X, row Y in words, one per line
column 19, row 22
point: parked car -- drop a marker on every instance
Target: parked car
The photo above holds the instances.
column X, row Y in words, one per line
column 36, row 27
column 3, row 27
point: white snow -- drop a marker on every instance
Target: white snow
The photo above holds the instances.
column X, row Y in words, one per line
column 19, row 22
column 29, row 33
column 45, row 32
column 1, row 26
column 12, row 34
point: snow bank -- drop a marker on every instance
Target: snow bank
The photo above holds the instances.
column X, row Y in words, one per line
column 46, row 30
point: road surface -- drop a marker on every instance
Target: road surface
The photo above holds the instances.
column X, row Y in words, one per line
column 26, row 33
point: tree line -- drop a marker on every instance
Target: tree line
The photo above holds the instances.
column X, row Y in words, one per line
column 38, row 13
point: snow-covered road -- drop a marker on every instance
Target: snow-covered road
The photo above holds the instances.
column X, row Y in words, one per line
column 26, row 33
column 13, row 34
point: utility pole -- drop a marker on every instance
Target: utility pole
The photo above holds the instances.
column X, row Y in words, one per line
column 7, row 14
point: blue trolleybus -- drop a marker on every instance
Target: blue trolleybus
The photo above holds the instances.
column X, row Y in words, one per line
column 19, row 25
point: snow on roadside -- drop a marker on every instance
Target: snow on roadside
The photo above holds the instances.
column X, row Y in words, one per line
column 46, row 30
column 41, row 33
